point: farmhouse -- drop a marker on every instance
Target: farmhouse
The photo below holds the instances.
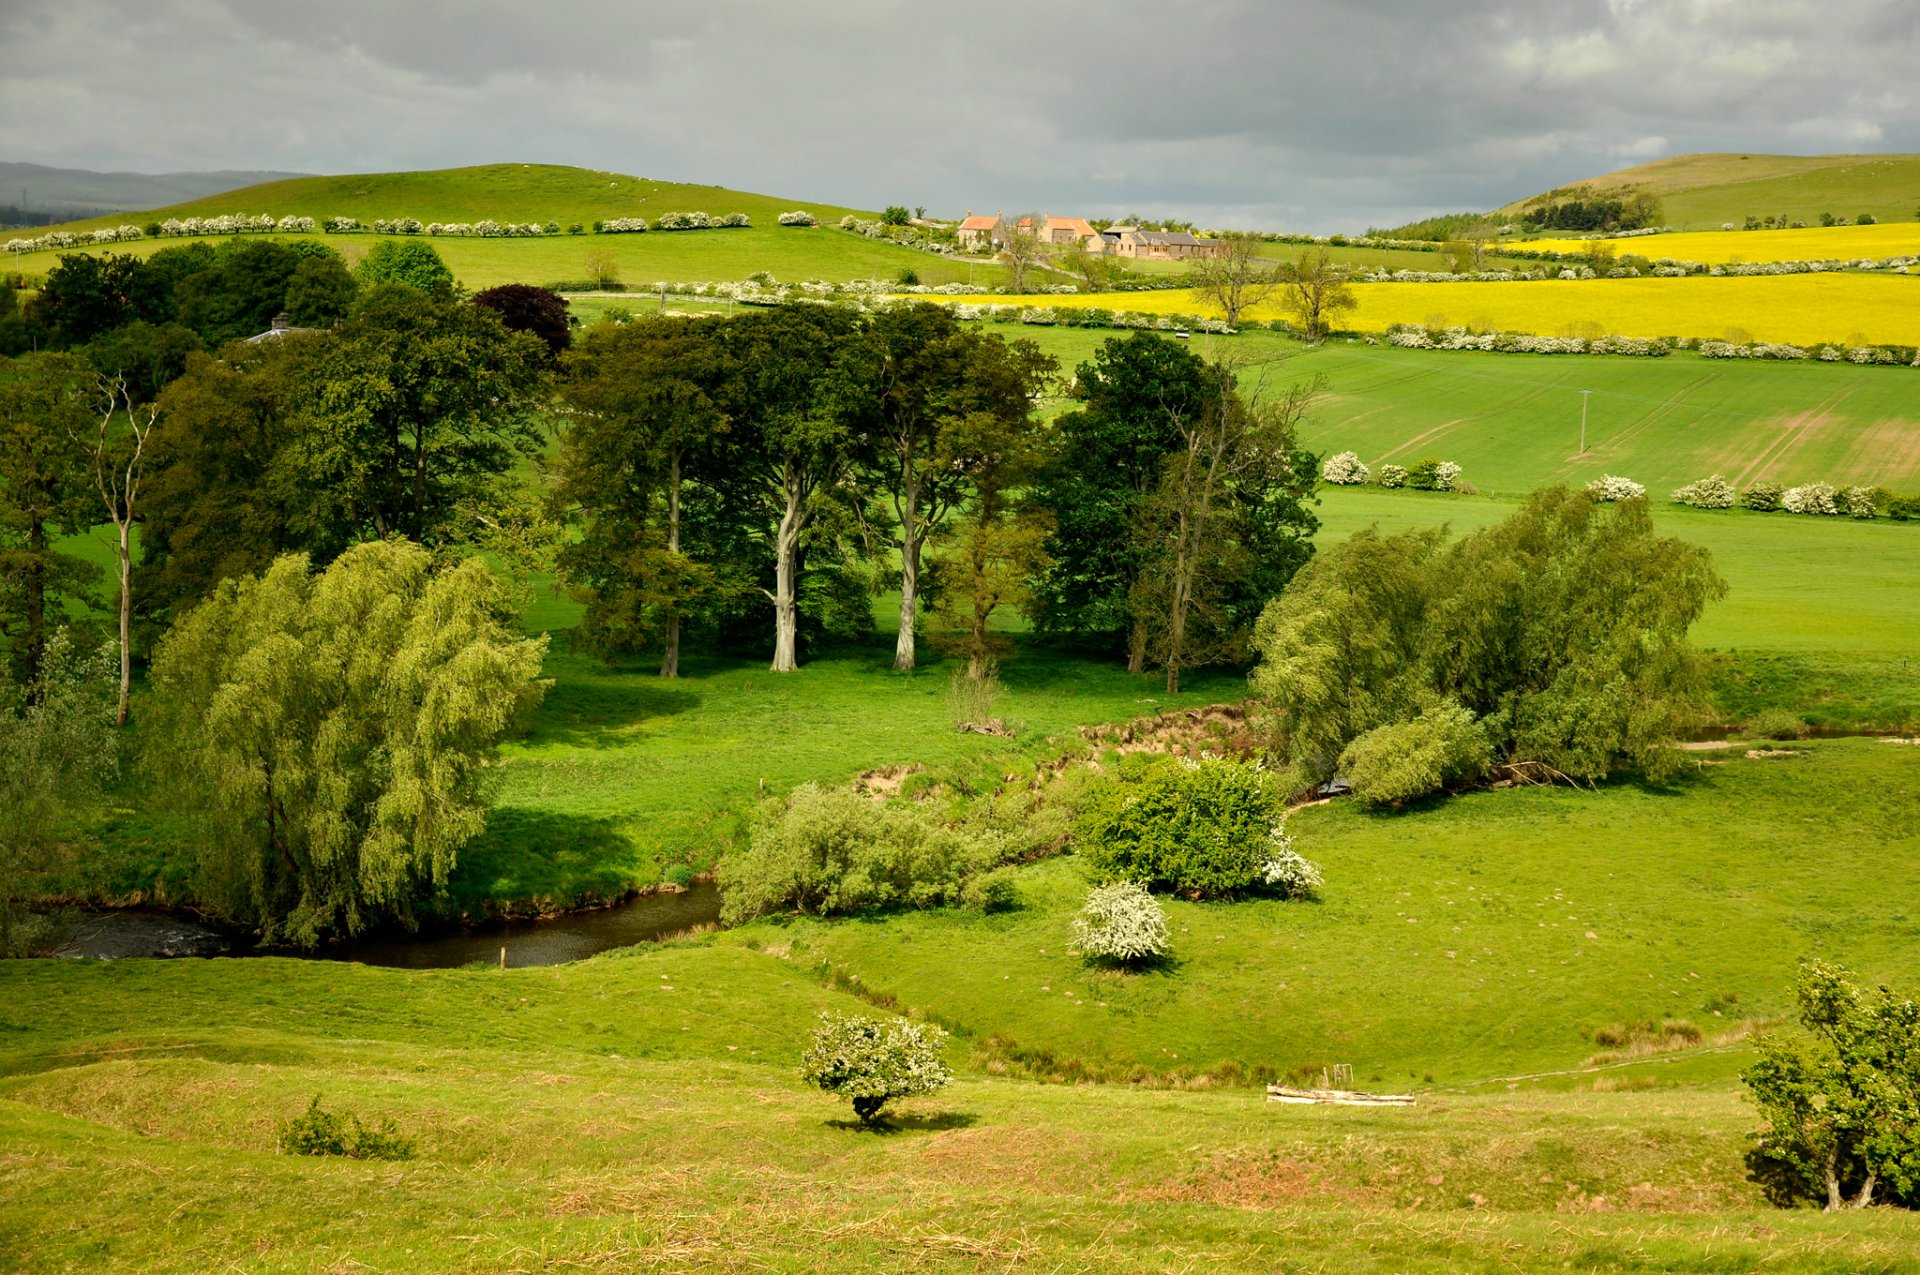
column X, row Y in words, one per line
column 1160, row 245
column 978, row 232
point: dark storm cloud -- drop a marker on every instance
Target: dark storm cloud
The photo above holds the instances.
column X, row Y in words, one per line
column 1318, row 115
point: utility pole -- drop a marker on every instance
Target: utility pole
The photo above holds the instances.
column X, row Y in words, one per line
column 1583, row 420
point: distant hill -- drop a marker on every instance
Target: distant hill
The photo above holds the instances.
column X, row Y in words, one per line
column 1702, row 192
column 78, row 192
column 503, row 192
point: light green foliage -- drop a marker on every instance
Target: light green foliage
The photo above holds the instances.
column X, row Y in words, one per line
column 1563, row 629
column 1403, row 761
column 1197, row 828
column 319, row 1132
column 335, row 733
column 1778, row 723
column 874, row 1061
column 826, row 851
column 1843, row 1106
column 1121, row 922
column 409, row 262
column 57, row 750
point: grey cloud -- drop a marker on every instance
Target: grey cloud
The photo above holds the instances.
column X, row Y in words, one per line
column 1316, row 114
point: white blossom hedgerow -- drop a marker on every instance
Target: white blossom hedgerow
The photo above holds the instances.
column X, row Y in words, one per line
column 1344, row 470
column 798, row 217
column 1392, row 475
column 1811, row 498
column 1706, row 493
column 1121, row 922
column 1611, row 487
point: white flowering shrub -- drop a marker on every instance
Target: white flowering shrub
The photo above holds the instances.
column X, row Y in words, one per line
column 1345, row 470
column 733, row 221
column 1706, row 493
column 873, row 1061
column 1286, row 870
column 1121, row 922
column 1612, row 487
column 399, row 226
column 1859, row 502
column 294, row 225
column 798, row 217
column 1811, row 498
column 1445, row 474
column 623, row 226
column 683, row 221
column 1392, row 475
column 342, row 225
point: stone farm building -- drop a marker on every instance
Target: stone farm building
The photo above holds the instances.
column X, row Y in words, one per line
column 979, row 232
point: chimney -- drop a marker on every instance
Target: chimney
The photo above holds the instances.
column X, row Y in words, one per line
column 280, row 323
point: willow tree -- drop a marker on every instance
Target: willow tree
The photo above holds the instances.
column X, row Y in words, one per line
column 333, row 734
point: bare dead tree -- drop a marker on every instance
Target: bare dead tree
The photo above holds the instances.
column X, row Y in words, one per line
column 116, row 463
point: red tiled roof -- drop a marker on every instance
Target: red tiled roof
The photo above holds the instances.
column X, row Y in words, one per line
column 978, row 223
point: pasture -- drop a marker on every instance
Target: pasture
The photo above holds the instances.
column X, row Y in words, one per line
column 1722, row 247
column 1705, row 191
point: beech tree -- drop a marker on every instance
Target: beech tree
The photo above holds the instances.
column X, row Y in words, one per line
column 1238, row 279
column 646, row 410
column 909, row 380
column 333, row 734
column 45, row 492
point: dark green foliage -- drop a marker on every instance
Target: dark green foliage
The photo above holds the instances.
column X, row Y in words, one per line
column 1842, row 1104
column 405, row 261
column 1403, row 761
column 1763, row 497
column 1424, row 475
column 247, row 286
column 1904, row 508
column 1203, row 829
column 1566, row 210
column 87, row 296
column 895, row 215
column 522, row 307
column 146, row 356
column 318, row 1132
column 320, row 292
column 1562, row 630
column 46, row 491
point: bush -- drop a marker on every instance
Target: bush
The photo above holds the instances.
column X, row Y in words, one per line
column 826, row 851
column 1204, row 829
column 1394, row 764
column 1811, row 498
column 894, row 215
column 798, row 218
column 995, row 891
column 1778, row 723
column 873, row 1062
column 1861, row 502
column 1706, row 493
column 1121, row 922
column 317, row 1132
column 1286, row 870
column 1612, row 487
column 1393, row 475
column 1344, row 470
column 1763, row 498
column 1904, row 508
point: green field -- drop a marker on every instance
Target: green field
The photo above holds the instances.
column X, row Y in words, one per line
column 1703, row 192
column 640, row 1110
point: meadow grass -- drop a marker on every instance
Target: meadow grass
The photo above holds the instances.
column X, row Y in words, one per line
column 1720, row 247
column 1850, row 309
column 641, row 1109
column 1705, row 191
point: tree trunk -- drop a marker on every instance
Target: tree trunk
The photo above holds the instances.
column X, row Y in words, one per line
column 1835, row 1201
column 912, row 534
column 125, row 554
column 1865, row 1197
column 1137, row 647
column 786, row 551
column 36, row 597
column 670, row 657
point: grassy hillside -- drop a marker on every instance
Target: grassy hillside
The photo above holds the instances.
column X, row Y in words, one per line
column 1702, row 192
column 640, row 1110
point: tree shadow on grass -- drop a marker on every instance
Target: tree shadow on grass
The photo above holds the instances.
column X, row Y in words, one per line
column 566, row 860
column 932, row 1122
column 595, row 710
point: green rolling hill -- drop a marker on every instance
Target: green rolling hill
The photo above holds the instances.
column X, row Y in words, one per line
column 1703, row 192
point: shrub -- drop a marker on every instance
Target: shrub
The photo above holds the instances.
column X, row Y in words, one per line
column 894, row 215
column 1811, row 498
column 1904, row 508
column 1393, row 475
column 1763, row 498
column 1706, row 493
column 1446, row 475
column 1201, row 828
column 1344, row 470
column 995, row 891
column 1778, row 723
column 872, row 1061
column 1121, row 922
column 317, row 1132
column 1288, row 871
column 1861, row 502
column 733, row 221
column 1612, row 487
column 825, row 851
column 798, row 218
column 1394, row 764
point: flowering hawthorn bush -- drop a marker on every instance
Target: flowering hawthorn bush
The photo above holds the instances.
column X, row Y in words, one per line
column 342, row 225
column 1392, row 475
column 1811, row 498
column 1706, row 493
column 1763, row 498
column 1121, row 922
column 1612, row 487
column 798, row 217
column 623, row 226
column 873, row 1062
column 1344, row 470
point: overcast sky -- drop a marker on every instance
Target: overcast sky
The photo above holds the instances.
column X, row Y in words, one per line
column 1314, row 114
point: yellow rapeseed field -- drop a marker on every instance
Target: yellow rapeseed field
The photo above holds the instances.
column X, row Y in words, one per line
column 1851, row 309
column 1720, row 247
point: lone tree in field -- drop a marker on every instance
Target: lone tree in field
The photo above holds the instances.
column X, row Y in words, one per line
column 873, row 1061
column 1316, row 291
column 334, row 734
column 1236, row 280
column 1843, row 1105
